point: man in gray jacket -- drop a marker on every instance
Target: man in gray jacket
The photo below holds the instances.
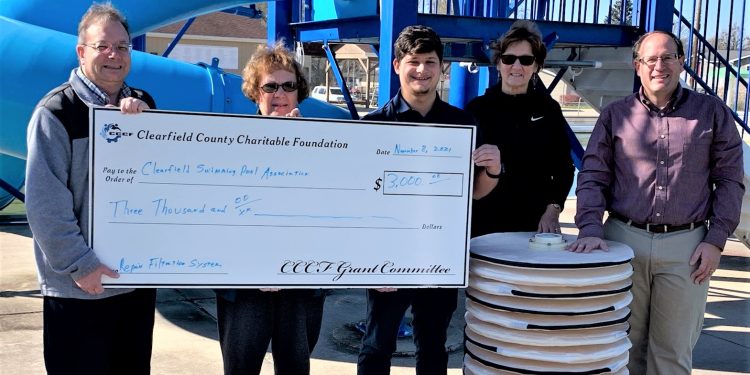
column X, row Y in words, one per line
column 87, row 329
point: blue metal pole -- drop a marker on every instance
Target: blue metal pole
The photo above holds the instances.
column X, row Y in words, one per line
column 139, row 43
column 576, row 150
column 340, row 79
column 464, row 85
column 541, row 10
column 503, row 9
column 459, row 81
column 177, row 37
column 658, row 15
column 556, row 80
column 307, row 4
column 487, row 78
column 393, row 18
column 12, row 190
column 251, row 11
column 279, row 18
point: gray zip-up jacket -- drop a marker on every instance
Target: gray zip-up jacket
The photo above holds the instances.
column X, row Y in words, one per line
column 57, row 189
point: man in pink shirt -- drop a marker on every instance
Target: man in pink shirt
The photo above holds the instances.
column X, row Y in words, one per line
column 666, row 162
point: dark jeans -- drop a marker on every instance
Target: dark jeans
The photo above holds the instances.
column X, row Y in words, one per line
column 104, row 336
column 431, row 310
column 288, row 319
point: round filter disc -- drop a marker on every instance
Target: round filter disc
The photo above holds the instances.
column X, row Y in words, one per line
column 547, row 292
column 551, row 306
column 563, row 338
column 550, row 277
column 517, row 320
column 512, row 249
column 557, row 354
column 499, row 361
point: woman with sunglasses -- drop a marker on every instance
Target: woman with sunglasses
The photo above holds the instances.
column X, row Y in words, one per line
column 289, row 319
column 528, row 127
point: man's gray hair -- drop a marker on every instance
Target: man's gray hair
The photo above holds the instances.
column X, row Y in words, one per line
column 101, row 12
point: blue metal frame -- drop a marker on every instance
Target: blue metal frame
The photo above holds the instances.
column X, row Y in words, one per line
column 489, row 29
column 178, row 37
column 340, row 79
column 719, row 58
column 338, row 30
column 250, row 12
column 464, row 85
column 465, row 51
column 562, row 71
column 576, row 149
column 219, row 98
column 714, row 56
column 658, row 15
column 556, row 80
column 392, row 21
column 12, row 190
column 459, row 27
column 279, row 22
column 711, row 92
column 139, row 43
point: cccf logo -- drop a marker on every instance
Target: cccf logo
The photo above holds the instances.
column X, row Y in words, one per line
column 112, row 133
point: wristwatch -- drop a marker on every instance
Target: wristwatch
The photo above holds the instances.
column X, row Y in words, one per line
column 490, row 175
column 495, row 176
column 556, row 206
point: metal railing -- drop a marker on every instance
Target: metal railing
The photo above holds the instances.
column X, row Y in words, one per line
column 716, row 34
column 715, row 39
column 598, row 12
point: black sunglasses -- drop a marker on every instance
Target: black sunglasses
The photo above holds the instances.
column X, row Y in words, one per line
column 272, row 87
column 511, row 59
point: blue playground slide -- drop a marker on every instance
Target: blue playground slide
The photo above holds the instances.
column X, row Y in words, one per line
column 37, row 43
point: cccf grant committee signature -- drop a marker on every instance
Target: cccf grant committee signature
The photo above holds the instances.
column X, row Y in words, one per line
column 339, row 269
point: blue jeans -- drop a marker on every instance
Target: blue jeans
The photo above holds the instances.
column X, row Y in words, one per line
column 431, row 310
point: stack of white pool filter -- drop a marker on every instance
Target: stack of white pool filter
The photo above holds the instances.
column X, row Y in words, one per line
column 534, row 308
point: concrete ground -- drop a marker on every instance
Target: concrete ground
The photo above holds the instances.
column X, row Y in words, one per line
column 185, row 338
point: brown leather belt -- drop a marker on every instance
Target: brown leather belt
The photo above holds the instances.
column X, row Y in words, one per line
column 656, row 228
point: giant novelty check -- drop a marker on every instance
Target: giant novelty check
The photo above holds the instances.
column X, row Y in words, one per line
column 208, row 200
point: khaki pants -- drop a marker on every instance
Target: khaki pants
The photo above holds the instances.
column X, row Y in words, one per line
column 667, row 308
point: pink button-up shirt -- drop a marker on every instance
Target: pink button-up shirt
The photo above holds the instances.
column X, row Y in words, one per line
column 677, row 165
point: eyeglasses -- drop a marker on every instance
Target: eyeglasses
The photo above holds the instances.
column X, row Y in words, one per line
column 667, row 59
column 511, row 59
column 272, row 87
column 106, row 48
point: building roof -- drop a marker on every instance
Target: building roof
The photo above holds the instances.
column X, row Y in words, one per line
column 356, row 51
column 220, row 24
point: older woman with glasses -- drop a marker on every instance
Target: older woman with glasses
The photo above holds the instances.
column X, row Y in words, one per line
column 290, row 319
column 528, row 127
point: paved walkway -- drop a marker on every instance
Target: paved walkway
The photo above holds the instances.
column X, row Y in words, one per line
column 185, row 338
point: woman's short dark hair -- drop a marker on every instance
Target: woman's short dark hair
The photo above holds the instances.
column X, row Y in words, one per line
column 267, row 60
column 520, row 31
column 417, row 39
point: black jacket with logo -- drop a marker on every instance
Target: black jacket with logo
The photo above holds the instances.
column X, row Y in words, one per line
column 530, row 131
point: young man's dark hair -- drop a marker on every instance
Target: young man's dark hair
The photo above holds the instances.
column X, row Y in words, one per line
column 417, row 39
